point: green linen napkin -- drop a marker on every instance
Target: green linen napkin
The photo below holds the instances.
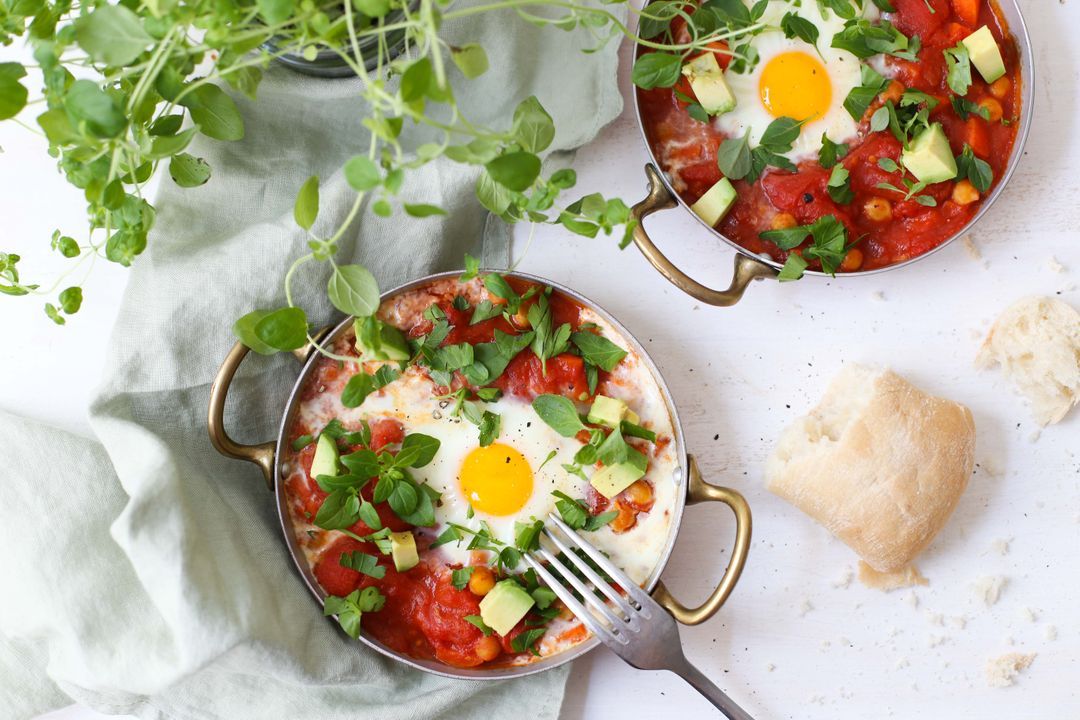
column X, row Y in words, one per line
column 144, row 573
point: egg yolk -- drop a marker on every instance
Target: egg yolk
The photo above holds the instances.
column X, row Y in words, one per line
column 795, row 85
column 496, row 479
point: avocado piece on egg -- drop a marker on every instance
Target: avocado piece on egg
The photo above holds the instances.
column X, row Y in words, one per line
column 325, row 461
column 710, row 88
column 930, row 158
column 607, row 411
column 375, row 340
column 504, row 606
column 403, row 550
column 715, row 203
column 611, row 480
column 985, row 54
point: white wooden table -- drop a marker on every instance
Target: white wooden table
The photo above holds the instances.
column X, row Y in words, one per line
column 797, row 639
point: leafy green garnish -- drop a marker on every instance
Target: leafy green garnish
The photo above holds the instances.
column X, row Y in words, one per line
column 361, row 385
column 958, row 61
column 459, row 578
column 547, row 341
column 350, row 609
column 830, row 245
column 975, row 169
column 966, row 108
column 559, row 413
column 598, row 350
column 859, row 100
column 576, row 515
column 864, row 39
column 527, row 639
column 737, row 161
column 796, row 26
column 362, row 563
column 302, row 442
column 479, row 623
column 831, row 152
column 839, row 186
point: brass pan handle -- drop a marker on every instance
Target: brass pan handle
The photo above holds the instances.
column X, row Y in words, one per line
column 747, row 269
column 261, row 454
column 700, row 491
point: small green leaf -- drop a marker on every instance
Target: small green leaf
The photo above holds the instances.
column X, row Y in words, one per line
column 188, row 170
column 284, row 329
column 421, row 210
column 215, row 113
column 244, row 330
column 362, row 174
column 958, row 60
column 357, row 389
column 372, row 8
column 353, row 290
column 793, row 269
column 89, row 106
column 533, row 128
column 12, row 93
column 112, row 35
column 471, row 60
column 559, row 413
column 71, row 300
column 734, row 158
column 515, row 170
column 417, row 450
column 796, row 26
column 656, row 69
column 416, row 80
column 276, row 11
column 306, row 208
column 598, row 350
column 163, row 146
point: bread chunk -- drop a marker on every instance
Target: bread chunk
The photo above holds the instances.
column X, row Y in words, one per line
column 878, row 462
column 1036, row 341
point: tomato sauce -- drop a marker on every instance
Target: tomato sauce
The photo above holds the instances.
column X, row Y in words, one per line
column 686, row 149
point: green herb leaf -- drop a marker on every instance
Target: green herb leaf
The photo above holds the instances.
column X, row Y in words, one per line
column 470, row 59
column 966, row 108
column 112, row 35
column 839, row 187
column 533, row 128
column 362, row 563
column 302, row 442
column 417, row 450
column 215, row 113
column 734, row 158
column 656, row 69
column 339, row 510
column 795, row 26
column 13, row 94
column 527, row 639
column 958, row 61
column 306, row 208
column 188, row 170
column 351, row 608
column 361, row 173
column 559, row 413
column 598, row 350
column 91, row 107
column 479, row 622
column 573, row 512
column 352, row 288
column 831, row 152
column 859, row 100
column 284, row 329
column 459, row 578
column 975, row 169
column 515, row 170
column 527, row 535
column 793, row 269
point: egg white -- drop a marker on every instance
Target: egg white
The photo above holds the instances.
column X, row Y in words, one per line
column 751, row 117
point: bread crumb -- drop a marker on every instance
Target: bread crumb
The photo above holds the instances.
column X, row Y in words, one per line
column 825, row 645
column 770, row 667
column 878, row 296
column 894, row 631
column 972, row 250
column 1009, row 640
column 989, row 588
column 1035, row 435
column 805, row 607
column 959, row 621
column 845, row 579
column 1055, row 265
column 902, row 663
column 1002, row 546
column 817, row 699
column 912, row 599
column 1028, row 614
column 1002, row 671
column 886, row 582
column 1050, row 632
column 935, row 640
column 935, row 618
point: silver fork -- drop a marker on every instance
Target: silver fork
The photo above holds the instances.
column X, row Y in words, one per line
column 634, row 626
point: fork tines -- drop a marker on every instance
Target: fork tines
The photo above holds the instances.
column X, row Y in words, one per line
column 611, row 622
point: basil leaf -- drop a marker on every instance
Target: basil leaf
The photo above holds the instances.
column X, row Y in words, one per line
column 485, row 310
column 352, row 288
column 527, row 535
column 306, row 206
column 357, row 389
column 843, row 8
column 786, row 238
column 459, row 578
column 839, row 187
column 571, row 511
column 284, row 329
column 13, row 94
column 831, row 152
column 533, row 128
column 515, row 170
column 490, row 426
column 403, row 499
column 215, row 113
column 630, row 429
column 656, row 69
column 781, row 134
column 559, row 413
column 598, row 350
column 417, row 450
column 112, row 35
column 330, row 483
column 244, row 330
column 966, row 108
column 362, row 463
column 733, row 157
column 976, row 170
column 479, row 623
column 595, row 522
column 362, row 563
column 370, row 516
column 302, row 442
column 471, row 60
column 361, row 173
column 527, row 639
column 188, row 170
column 339, row 510
column 795, row 26
column 89, row 106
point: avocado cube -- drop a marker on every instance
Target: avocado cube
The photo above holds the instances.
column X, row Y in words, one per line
column 930, row 158
column 985, row 54
column 607, row 411
column 403, row 550
column 375, row 340
column 715, row 203
column 710, row 88
column 504, row 606
column 611, row 480
column 325, row 461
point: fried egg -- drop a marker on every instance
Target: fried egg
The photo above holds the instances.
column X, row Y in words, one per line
column 793, row 79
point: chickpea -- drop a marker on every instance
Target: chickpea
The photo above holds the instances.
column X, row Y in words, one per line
column 488, row 648
column 640, row 493
column 878, row 209
column 893, row 92
column 964, row 193
column 1001, row 88
column 993, row 107
column 481, row 581
column 783, row 221
column 852, row 261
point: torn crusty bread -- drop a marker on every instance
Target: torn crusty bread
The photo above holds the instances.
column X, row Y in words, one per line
column 878, row 462
column 908, row 576
column 1037, row 343
column 1002, row 671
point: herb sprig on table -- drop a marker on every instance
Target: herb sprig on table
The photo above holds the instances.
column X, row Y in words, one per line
column 149, row 79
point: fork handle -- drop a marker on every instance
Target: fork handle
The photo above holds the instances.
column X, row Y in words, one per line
column 710, row 691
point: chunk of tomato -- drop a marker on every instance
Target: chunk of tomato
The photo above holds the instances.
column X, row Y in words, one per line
column 525, row 377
